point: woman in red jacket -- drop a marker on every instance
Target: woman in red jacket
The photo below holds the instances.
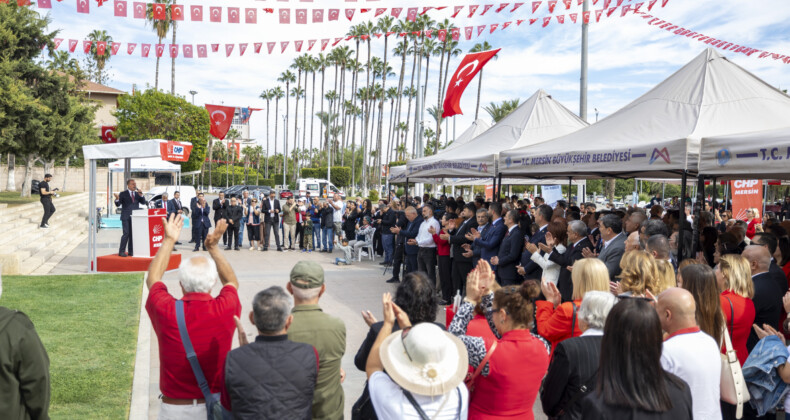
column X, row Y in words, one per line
column 507, row 384
column 734, row 278
column 557, row 322
column 441, row 239
column 752, row 220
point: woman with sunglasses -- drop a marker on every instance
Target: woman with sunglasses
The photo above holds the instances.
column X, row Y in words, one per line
column 508, row 372
column 752, row 220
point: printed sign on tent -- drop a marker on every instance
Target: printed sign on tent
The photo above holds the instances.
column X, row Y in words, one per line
column 746, row 194
column 551, row 194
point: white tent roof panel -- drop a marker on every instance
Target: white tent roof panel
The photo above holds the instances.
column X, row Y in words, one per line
column 152, row 164
column 763, row 154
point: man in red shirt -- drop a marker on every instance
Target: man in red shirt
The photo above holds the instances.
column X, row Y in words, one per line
column 209, row 321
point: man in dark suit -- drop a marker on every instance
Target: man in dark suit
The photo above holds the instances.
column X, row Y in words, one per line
column 767, row 294
column 770, row 242
column 233, row 215
column 398, row 252
column 270, row 207
column 489, row 244
column 531, row 270
column 220, row 205
column 129, row 200
column 201, row 220
column 483, row 225
column 611, row 227
column 509, row 252
column 410, row 237
column 192, row 210
column 462, row 265
column 577, row 238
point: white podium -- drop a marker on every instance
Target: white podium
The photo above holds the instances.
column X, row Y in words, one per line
column 147, row 231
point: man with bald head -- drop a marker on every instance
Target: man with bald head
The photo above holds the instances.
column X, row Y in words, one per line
column 689, row 353
column 767, row 294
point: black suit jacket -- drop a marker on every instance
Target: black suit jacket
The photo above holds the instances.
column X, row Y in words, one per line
column 265, row 207
column 575, row 363
column 193, row 208
column 509, row 257
column 767, row 305
column 219, row 208
column 779, row 277
column 531, row 269
column 234, row 213
column 128, row 204
column 458, row 239
column 571, row 255
column 174, row 206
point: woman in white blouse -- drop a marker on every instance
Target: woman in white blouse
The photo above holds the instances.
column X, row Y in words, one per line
column 556, row 236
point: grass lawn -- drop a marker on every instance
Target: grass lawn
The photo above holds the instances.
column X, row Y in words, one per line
column 12, row 198
column 88, row 324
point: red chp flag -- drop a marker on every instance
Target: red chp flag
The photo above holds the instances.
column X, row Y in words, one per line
column 469, row 67
column 176, row 151
column 108, row 134
column 221, row 117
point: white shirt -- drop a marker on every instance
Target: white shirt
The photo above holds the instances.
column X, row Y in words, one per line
column 592, row 332
column 695, row 358
column 606, row 243
column 271, row 206
column 390, row 402
column 337, row 215
column 424, row 238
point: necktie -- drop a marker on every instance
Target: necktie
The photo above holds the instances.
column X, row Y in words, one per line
column 132, row 194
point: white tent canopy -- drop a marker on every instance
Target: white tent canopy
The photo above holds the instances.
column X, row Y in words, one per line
column 152, row 164
column 762, row 154
column 658, row 135
column 538, row 119
column 398, row 176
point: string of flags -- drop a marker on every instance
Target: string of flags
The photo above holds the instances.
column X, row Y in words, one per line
column 456, row 34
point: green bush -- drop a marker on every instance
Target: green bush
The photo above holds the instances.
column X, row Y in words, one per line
column 374, row 196
column 341, row 175
column 397, row 163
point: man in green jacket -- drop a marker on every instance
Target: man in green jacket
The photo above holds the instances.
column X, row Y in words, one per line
column 324, row 332
column 24, row 368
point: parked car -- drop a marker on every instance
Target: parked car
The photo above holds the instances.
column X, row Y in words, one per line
column 154, row 196
column 285, row 194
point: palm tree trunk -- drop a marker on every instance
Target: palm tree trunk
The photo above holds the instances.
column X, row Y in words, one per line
column 173, row 63
column 156, row 77
column 321, row 127
column 389, row 137
column 304, row 115
column 398, row 99
column 312, row 122
column 266, row 171
column 296, row 113
column 411, row 89
column 367, row 120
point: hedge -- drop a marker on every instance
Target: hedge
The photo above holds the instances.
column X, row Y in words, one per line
column 341, row 175
column 218, row 176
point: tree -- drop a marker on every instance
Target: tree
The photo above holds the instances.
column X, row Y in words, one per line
column 95, row 61
column 277, row 93
column 497, row 112
column 286, row 77
column 485, row 46
column 155, row 115
column 161, row 27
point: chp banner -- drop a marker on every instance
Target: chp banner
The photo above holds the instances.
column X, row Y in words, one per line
column 156, row 231
column 221, row 117
column 175, row 151
column 469, row 67
column 746, row 194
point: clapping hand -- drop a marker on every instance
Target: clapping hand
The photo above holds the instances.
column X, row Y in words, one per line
column 521, row 270
column 451, row 225
column 432, row 230
column 213, row 238
column 412, row 242
column 532, row 248
column 786, row 302
column 115, row 195
column 550, row 292
column 444, row 236
column 243, row 341
column 494, row 260
column 468, row 254
column 766, row 331
column 173, row 226
column 550, row 239
column 587, row 253
column 545, row 248
column 369, row 318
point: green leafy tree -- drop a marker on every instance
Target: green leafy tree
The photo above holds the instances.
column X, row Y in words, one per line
column 499, row 111
column 155, row 115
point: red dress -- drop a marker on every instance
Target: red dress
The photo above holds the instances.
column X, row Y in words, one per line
column 516, row 370
column 750, row 229
column 743, row 310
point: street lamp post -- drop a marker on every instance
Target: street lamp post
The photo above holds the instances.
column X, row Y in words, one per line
column 285, row 148
column 193, row 93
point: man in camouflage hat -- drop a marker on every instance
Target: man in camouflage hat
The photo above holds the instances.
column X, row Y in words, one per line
column 324, row 332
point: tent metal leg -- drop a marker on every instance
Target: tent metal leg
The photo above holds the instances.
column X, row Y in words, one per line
column 92, row 215
column 499, row 187
column 570, row 186
column 406, row 191
column 697, row 211
column 682, row 214
column 713, row 204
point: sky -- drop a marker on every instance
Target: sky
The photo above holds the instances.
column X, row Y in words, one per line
column 627, row 57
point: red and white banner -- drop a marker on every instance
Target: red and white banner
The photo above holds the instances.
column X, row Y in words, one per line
column 221, row 117
column 156, row 229
column 746, row 194
column 175, row 151
column 469, row 67
column 108, row 134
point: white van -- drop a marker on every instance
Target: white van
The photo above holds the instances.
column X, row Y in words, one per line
column 316, row 187
column 154, row 195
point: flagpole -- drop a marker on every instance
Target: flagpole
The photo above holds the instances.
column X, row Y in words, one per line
column 583, row 79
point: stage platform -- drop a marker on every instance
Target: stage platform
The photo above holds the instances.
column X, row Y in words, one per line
column 117, row 264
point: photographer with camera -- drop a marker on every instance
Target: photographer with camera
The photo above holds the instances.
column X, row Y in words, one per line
column 46, row 200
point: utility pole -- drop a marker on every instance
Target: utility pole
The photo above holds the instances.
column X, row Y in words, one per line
column 193, row 93
column 420, row 152
column 285, row 149
column 583, row 79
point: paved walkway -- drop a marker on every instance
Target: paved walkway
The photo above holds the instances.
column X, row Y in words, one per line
column 350, row 290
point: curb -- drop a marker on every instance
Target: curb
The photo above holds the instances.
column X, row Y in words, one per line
column 138, row 409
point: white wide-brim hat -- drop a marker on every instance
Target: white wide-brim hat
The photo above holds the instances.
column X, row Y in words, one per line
column 428, row 361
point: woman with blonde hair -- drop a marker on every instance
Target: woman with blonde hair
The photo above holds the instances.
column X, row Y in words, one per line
column 752, row 220
column 734, row 279
column 638, row 274
column 666, row 275
column 557, row 322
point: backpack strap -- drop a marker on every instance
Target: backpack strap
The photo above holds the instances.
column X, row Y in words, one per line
column 190, row 351
column 416, row 406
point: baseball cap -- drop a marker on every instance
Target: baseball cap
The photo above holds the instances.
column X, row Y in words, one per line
column 307, row 275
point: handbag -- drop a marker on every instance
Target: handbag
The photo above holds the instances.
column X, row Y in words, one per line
column 214, row 409
column 733, row 385
column 469, row 381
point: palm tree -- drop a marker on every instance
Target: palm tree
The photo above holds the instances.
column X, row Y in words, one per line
column 392, row 94
column 298, row 64
column 277, row 93
column 286, row 77
column 367, row 30
column 384, row 25
column 100, row 59
column 315, row 65
column 296, row 92
column 497, row 112
column 321, row 62
column 402, row 49
column 173, row 60
column 485, row 46
column 161, row 27
column 267, row 95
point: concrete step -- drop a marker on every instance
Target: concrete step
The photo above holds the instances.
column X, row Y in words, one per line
column 62, row 252
column 33, row 253
column 33, row 211
column 37, row 241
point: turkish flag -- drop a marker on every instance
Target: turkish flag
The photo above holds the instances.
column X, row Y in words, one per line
column 283, row 46
column 197, row 13
column 285, row 16
column 202, row 51
column 242, row 48
column 139, row 10
column 215, row 14
column 456, row 34
column 101, row 47
column 638, row 6
column 411, row 14
column 221, row 117
column 501, row 7
column 546, row 21
column 310, row 43
column 567, row 4
column 598, row 14
column 610, row 11
column 468, row 31
column 425, row 10
column 505, row 25
column 177, row 11
column 535, row 5
column 395, row 11
column 120, row 8
column 606, row 3
column 493, row 27
column 519, row 22
column 298, row 46
column 472, row 9
column 270, row 46
column 337, row 40
column 233, row 15
column 318, row 15
column 324, row 43
column 333, row 14
column 573, row 17
column 44, row 4
column 57, row 42
column 552, row 4
column 160, row 13
column 159, row 50
column 214, row 47
column 651, row 4
column 187, row 51
column 83, row 6
column 516, row 6
column 173, row 50
column 301, row 16
column 586, row 17
column 533, row 20
column 486, row 8
column 130, row 47
column 258, row 46
column 349, row 14
column 86, row 46
column 480, row 29
column 561, row 18
column 251, row 15
column 379, row 11
column 108, row 134
column 145, row 48
column 72, row 45
column 457, row 10
column 228, row 49
column 469, row 67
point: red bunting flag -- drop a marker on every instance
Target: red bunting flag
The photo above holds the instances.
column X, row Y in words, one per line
column 177, row 11
column 501, row 7
column 428, row 33
column 573, row 17
column 318, row 15
column 519, row 22
column 160, row 50
column 486, row 8
column 619, row 2
column 298, row 46
column 44, row 4
column 57, row 42
column 337, row 40
column 561, row 18
column 586, row 17
column 480, row 29
column 333, row 14
column 145, row 49
column 187, row 51
column 516, row 6
column 283, row 46
column 268, row 10
column 532, row 20
column 83, row 6
column 505, row 25
column 411, row 14
column 638, row 6
column 101, row 47
column 310, row 43
column 625, row 10
column 159, row 11
column 221, row 117
column 651, row 4
column 216, row 14
column 493, row 28
column 242, row 48
column 469, row 67
column 441, row 34
column 457, row 10
column 349, row 14
column 456, row 34
column 86, row 46
column 324, row 43
column 395, row 11
column 535, row 5
column 425, row 10
column 606, row 3
column 379, row 11
column 270, row 46
column 197, row 13
column 598, row 14
column 552, row 4
column 214, row 47
column 119, row 8
column 610, row 11
column 72, row 45
column 130, row 47
column 472, row 9
column 285, row 16
column 468, row 32
column 257, row 47
column 139, row 10
column 228, row 49
column 567, row 4
column 108, row 134
column 251, row 15
column 301, row 16
column 546, row 21
column 173, row 50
